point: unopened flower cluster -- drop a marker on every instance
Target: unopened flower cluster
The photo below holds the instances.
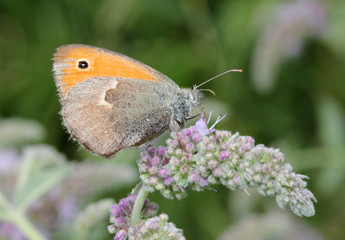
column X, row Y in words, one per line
column 198, row 157
column 156, row 228
column 147, row 228
column 121, row 213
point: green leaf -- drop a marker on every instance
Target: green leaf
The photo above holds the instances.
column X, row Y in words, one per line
column 89, row 224
column 331, row 119
column 42, row 169
column 4, row 207
column 38, row 185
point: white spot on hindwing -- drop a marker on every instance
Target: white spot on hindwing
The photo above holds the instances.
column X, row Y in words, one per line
column 101, row 100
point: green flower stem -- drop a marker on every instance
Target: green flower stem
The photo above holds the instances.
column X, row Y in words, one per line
column 137, row 188
column 19, row 220
column 141, row 196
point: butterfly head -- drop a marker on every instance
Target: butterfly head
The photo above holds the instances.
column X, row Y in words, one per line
column 182, row 106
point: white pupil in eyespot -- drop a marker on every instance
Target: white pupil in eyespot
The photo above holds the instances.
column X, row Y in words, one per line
column 83, row 65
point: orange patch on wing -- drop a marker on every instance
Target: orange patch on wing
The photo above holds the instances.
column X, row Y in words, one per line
column 101, row 64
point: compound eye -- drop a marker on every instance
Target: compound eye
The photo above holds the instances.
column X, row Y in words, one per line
column 82, row 64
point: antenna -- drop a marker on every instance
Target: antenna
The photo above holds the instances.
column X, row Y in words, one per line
column 232, row 70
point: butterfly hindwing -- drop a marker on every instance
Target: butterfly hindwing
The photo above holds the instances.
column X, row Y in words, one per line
column 106, row 114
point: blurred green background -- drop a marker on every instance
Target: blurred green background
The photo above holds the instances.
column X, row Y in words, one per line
column 291, row 94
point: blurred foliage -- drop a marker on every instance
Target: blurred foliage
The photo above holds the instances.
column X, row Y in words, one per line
column 301, row 112
column 41, row 193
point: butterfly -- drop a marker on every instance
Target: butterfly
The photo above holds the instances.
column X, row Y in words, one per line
column 111, row 101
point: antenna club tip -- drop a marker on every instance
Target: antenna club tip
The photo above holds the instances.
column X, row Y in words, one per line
column 237, row 70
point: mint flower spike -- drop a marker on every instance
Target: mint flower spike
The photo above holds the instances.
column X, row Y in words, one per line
column 148, row 227
column 156, row 228
column 232, row 160
column 121, row 214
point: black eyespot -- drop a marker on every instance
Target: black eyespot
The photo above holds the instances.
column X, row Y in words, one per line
column 83, row 64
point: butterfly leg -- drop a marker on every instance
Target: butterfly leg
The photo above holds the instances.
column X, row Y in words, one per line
column 194, row 116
